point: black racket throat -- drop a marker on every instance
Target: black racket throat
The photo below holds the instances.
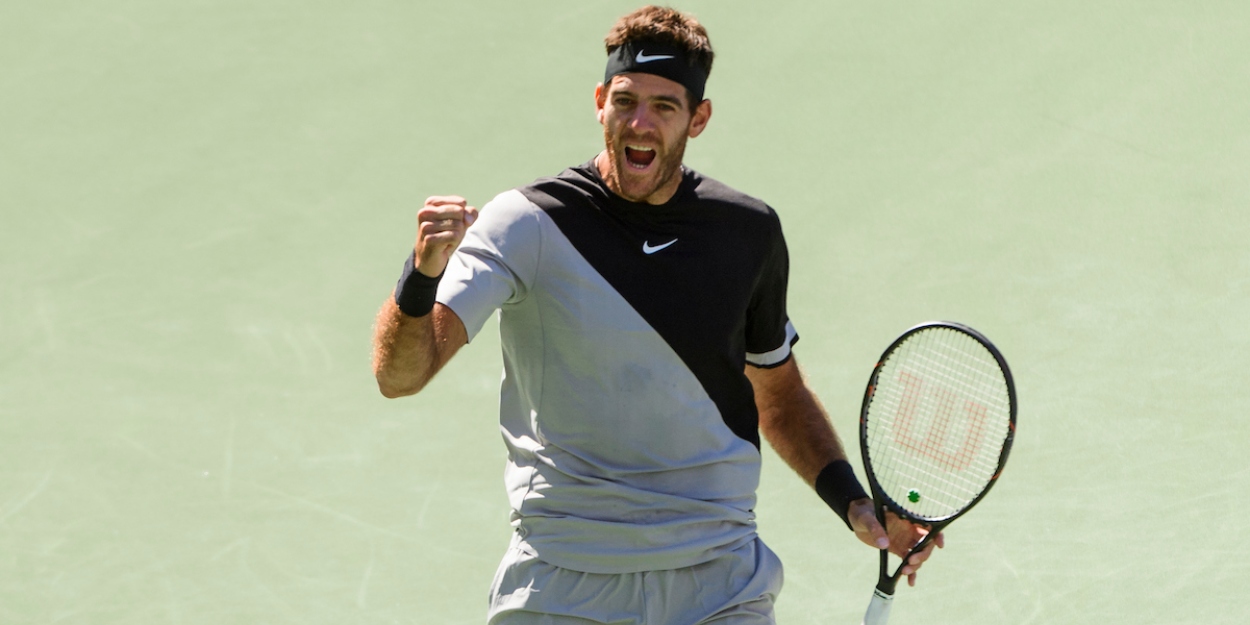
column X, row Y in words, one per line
column 886, row 581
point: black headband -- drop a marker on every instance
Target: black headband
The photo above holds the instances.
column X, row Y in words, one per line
column 659, row 59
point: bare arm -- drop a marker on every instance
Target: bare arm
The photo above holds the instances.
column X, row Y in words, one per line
column 409, row 350
column 794, row 421
column 798, row 428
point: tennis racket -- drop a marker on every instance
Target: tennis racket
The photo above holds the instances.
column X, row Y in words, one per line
column 937, row 424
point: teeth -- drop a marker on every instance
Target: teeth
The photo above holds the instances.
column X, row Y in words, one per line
column 640, row 148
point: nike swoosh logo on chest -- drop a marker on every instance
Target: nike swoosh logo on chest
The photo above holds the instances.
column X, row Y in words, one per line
column 647, row 248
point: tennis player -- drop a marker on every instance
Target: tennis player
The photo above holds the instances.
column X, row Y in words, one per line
column 646, row 345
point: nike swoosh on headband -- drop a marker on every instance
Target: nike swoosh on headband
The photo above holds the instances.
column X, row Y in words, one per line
column 645, row 58
column 647, row 248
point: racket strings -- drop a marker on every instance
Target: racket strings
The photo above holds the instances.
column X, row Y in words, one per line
column 937, row 422
column 929, row 402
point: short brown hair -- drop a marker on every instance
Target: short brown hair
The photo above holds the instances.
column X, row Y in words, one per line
column 667, row 26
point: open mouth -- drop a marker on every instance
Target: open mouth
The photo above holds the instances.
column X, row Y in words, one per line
column 639, row 157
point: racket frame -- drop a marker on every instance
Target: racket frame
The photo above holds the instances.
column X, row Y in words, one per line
column 882, row 502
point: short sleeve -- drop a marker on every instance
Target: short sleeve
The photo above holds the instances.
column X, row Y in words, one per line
column 496, row 262
column 769, row 333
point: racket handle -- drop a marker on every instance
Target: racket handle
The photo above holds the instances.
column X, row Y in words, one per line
column 878, row 609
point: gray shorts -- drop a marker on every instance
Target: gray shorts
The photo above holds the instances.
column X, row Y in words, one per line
column 738, row 588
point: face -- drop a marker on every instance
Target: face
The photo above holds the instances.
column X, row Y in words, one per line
column 646, row 122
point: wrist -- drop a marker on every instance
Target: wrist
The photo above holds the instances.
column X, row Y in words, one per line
column 838, row 487
column 415, row 292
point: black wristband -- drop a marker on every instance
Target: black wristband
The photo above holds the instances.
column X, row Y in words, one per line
column 416, row 291
column 838, row 486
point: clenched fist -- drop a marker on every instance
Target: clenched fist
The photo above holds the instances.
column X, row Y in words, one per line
column 440, row 228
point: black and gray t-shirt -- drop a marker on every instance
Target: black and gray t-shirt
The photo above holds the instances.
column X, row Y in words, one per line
column 632, row 433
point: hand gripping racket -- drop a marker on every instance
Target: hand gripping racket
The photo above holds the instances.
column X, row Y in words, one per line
column 937, row 423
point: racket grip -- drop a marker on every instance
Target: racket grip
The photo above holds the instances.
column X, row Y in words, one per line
column 878, row 609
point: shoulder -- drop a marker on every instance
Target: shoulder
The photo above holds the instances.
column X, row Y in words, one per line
column 714, row 193
column 506, row 208
column 512, row 202
column 571, row 186
column 509, row 219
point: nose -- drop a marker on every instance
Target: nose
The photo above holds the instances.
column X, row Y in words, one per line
column 642, row 119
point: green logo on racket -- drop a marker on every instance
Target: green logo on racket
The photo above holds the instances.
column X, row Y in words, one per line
column 913, row 495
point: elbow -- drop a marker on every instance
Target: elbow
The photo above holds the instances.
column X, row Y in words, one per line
column 393, row 390
column 394, row 393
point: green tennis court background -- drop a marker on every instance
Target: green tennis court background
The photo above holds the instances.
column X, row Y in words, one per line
column 203, row 204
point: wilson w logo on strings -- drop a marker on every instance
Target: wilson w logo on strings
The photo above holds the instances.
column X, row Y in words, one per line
column 938, row 423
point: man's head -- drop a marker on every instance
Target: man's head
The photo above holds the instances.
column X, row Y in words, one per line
column 651, row 101
column 679, row 48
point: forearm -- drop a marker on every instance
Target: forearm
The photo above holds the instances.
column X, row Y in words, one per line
column 408, row 351
column 797, row 426
column 799, row 429
column 410, row 347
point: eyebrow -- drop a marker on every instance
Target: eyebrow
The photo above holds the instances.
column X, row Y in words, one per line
column 671, row 99
column 661, row 98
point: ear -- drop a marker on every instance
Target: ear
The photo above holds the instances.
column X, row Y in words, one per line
column 698, row 121
column 601, row 99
